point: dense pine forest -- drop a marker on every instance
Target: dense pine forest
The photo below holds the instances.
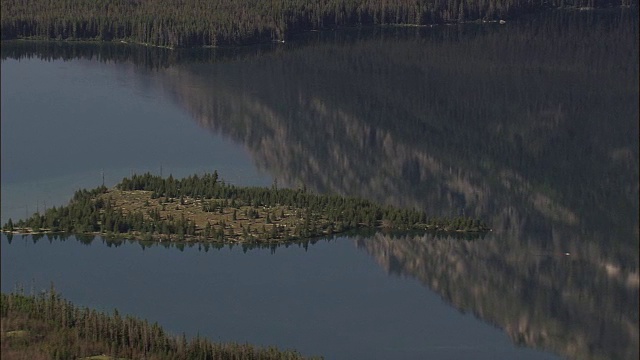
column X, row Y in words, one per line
column 151, row 207
column 46, row 326
column 191, row 23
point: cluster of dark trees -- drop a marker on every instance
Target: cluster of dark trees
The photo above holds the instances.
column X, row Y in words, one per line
column 46, row 326
column 81, row 215
column 87, row 212
column 186, row 23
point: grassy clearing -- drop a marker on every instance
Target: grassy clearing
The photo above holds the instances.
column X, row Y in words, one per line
column 238, row 221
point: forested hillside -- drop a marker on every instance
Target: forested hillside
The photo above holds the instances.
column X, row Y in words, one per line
column 186, row 23
column 46, row 326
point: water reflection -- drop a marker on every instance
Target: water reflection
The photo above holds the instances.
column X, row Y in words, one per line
column 492, row 121
column 576, row 305
column 531, row 126
column 89, row 239
column 580, row 306
column 534, row 135
column 332, row 300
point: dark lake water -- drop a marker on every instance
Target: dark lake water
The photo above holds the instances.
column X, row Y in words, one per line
column 531, row 126
column 330, row 299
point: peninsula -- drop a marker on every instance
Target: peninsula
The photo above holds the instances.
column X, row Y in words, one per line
column 204, row 209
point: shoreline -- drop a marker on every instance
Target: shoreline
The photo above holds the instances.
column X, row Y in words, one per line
column 286, row 37
column 201, row 240
column 201, row 209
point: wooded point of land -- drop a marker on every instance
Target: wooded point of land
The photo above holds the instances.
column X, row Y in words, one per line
column 202, row 208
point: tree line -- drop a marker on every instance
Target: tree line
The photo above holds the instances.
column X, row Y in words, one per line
column 91, row 211
column 189, row 23
column 46, row 326
column 347, row 212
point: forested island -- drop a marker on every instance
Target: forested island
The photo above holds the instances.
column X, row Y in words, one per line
column 46, row 326
column 203, row 208
column 195, row 23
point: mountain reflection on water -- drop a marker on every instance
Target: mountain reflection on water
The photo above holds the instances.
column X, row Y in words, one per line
column 570, row 305
column 531, row 126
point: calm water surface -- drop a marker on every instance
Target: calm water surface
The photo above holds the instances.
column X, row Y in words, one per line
column 65, row 123
column 530, row 126
column 331, row 299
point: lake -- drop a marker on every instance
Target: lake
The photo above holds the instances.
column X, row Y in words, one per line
column 531, row 126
